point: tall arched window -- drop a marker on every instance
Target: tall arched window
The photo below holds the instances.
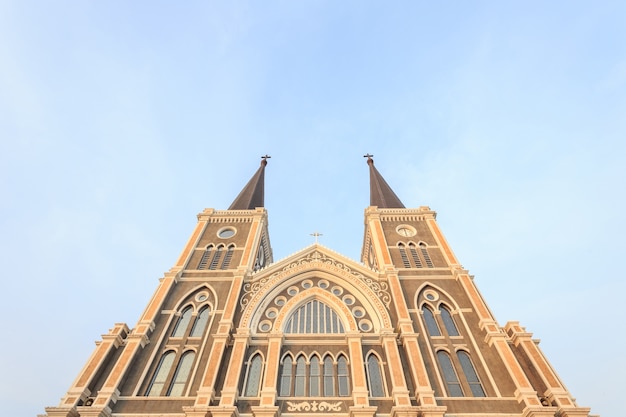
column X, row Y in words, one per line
column 285, row 376
column 329, row 377
column 342, row 376
column 183, row 322
column 375, row 377
column 182, row 374
column 200, row 324
column 253, row 381
column 470, row 374
column 431, row 323
column 314, row 377
column 205, row 257
column 160, row 376
column 300, row 376
column 449, row 375
column 448, row 322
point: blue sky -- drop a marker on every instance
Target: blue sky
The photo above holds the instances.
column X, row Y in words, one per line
column 120, row 121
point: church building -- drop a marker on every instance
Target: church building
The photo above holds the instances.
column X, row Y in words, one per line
column 232, row 332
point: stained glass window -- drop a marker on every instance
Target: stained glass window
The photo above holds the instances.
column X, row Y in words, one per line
column 448, row 321
column 431, row 324
column 375, row 377
column 342, row 376
column 182, row 374
column 314, row 317
column 183, row 323
column 470, row 374
column 254, row 376
column 158, row 381
column 450, row 377
column 285, row 377
column 200, row 324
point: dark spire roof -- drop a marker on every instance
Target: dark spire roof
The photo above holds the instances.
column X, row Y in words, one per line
column 253, row 193
column 381, row 194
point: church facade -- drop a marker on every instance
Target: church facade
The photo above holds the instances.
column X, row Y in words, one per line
column 405, row 332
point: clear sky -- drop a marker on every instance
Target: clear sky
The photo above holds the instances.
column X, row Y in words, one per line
column 121, row 120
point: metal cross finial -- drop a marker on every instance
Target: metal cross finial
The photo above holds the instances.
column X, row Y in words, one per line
column 367, row 155
column 316, row 234
column 265, row 157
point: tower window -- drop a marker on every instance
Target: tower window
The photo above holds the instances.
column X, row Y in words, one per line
column 216, row 257
column 449, row 375
column 415, row 256
column 200, row 324
column 205, row 257
column 448, row 321
column 405, row 258
column 424, row 251
column 431, row 323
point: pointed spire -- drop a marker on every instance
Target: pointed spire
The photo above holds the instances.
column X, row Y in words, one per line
column 381, row 194
column 253, row 194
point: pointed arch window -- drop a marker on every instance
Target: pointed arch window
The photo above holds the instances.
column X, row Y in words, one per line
column 449, row 375
column 314, row 377
column 470, row 374
column 182, row 374
column 205, row 257
column 200, row 324
column 329, row 377
column 183, row 322
column 160, row 376
column 253, row 381
column 314, row 317
column 227, row 257
column 285, row 376
column 300, row 376
column 448, row 321
column 375, row 377
column 342, row 376
column 431, row 323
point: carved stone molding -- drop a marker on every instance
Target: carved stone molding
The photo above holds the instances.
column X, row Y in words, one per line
column 313, row 406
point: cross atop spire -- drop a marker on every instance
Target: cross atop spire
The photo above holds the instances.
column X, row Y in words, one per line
column 381, row 194
column 253, row 194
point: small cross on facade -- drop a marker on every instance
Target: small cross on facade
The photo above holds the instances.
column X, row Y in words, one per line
column 316, row 234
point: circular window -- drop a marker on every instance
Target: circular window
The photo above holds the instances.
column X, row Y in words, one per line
column 431, row 295
column 337, row 290
column 405, row 230
column 306, row 284
column 202, row 297
column 271, row 313
column 323, row 284
column 348, row 299
column 365, row 325
column 265, row 326
column 280, row 301
column 358, row 312
column 293, row 291
column 226, row 232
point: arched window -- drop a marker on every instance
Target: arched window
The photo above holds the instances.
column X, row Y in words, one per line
column 424, row 251
column 449, row 376
column 183, row 323
column 405, row 259
column 314, row 317
column 285, row 376
column 329, row 377
column 300, row 376
column 448, row 321
column 431, row 323
column 415, row 256
column 182, row 374
column 216, row 258
column 375, row 377
column 253, row 381
column 314, row 377
column 470, row 374
column 342, row 376
column 200, row 324
column 205, row 257
column 228, row 256
column 162, row 371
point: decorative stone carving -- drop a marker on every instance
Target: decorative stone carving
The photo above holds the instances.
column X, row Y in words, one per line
column 315, row 406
